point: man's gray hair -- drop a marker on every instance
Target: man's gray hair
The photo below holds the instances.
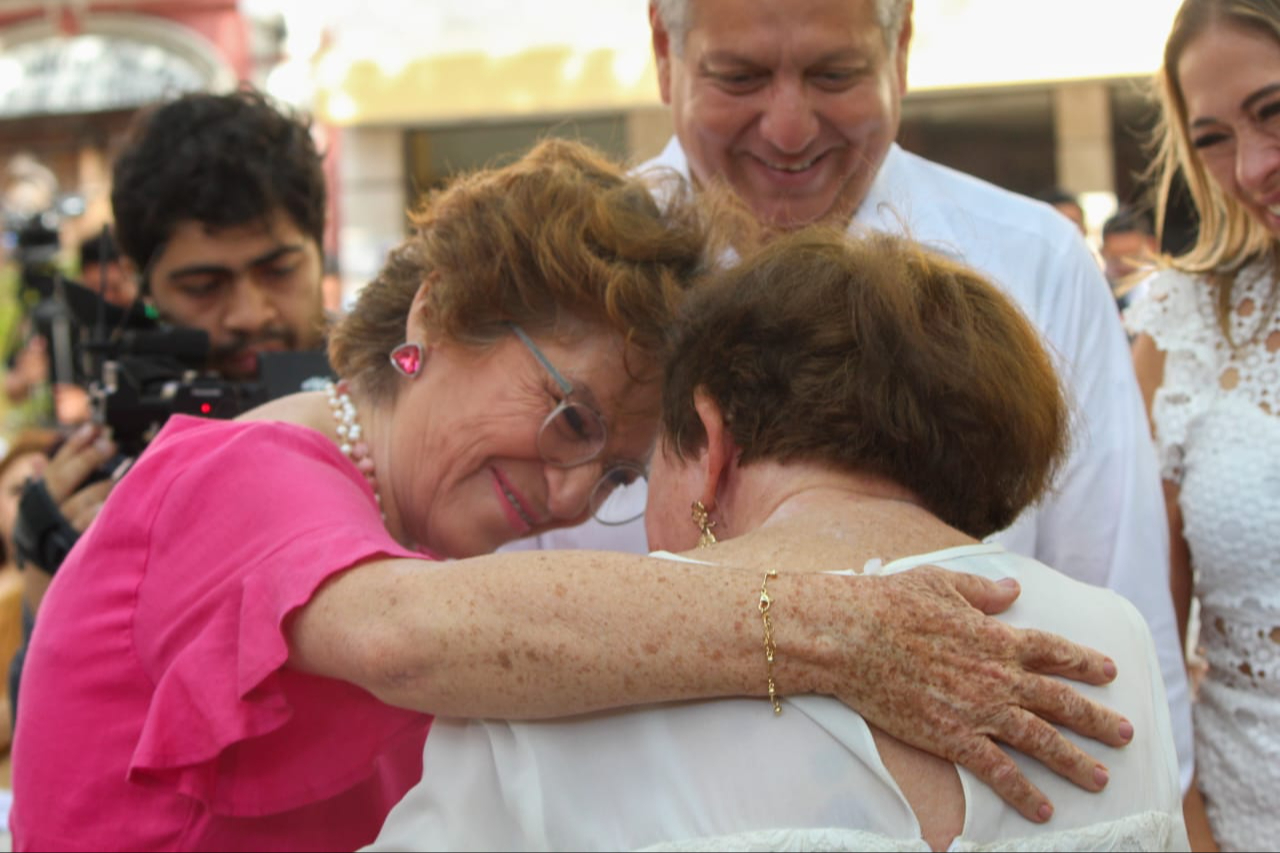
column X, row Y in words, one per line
column 675, row 17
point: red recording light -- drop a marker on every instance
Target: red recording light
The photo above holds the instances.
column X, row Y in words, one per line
column 206, row 408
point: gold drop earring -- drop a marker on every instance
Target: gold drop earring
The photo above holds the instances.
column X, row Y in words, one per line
column 700, row 517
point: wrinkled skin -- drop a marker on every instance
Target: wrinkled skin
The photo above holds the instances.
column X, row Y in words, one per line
column 934, row 672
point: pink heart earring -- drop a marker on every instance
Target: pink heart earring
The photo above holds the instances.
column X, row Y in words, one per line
column 407, row 359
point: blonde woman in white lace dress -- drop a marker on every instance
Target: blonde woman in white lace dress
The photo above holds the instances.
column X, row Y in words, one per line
column 830, row 405
column 1208, row 358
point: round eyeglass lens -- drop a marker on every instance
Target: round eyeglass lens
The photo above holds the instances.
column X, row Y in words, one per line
column 571, row 434
column 619, row 496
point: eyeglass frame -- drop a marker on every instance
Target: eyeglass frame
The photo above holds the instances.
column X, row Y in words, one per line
column 566, row 387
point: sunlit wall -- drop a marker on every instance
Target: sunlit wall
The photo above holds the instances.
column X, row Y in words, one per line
column 460, row 60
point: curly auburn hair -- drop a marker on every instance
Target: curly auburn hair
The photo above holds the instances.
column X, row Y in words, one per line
column 561, row 240
column 221, row 160
column 873, row 355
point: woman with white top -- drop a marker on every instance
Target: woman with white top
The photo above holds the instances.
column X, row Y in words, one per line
column 1208, row 359
column 828, row 405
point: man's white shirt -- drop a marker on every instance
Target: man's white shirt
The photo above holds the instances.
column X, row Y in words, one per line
column 1104, row 523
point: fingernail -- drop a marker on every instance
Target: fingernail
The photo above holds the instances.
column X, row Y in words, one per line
column 1007, row 583
column 1109, row 668
column 105, row 446
column 84, row 432
column 1045, row 812
column 1101, row 776
column 1126, row 731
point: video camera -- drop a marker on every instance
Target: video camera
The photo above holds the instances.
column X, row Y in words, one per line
column 139, row 371
column 147, row 373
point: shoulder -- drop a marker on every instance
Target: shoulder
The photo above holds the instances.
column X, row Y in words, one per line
column 238, row 467
column 1031, row 251
column 965, row 200
column 1176, row 312
column 203, row 442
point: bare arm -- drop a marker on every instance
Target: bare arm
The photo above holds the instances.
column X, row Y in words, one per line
column 540, row 634
column 1148, row 363
column 1198, row 831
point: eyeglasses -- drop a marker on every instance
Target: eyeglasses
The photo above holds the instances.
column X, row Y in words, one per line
column 574, row 434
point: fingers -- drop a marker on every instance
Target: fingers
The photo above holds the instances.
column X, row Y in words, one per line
column 986, row 595
column 1050, row 654
column 1032, row 736
column 83, row 506
column 81, row 454
column 994, row 767
column 1059, row 703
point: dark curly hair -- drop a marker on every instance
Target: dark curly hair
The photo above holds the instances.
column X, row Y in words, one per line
column 222, row 160
column 873, row 355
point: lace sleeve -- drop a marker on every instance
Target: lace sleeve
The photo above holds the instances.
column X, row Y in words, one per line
column 1178, row 315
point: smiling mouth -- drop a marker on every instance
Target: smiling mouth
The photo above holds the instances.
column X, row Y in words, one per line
column 515, row 503
column 792, row 168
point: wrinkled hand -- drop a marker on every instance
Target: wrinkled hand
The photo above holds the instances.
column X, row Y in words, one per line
column 78, row 457
column 952, row 681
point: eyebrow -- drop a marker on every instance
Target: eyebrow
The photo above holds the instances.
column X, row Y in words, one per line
column 223, row 269
column 1247, row 104
column 1264, row 92
column 728, row 57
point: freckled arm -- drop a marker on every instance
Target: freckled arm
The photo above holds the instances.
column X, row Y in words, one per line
column 546, row 633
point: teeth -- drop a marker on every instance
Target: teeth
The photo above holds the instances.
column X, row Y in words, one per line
column 1273, row 209
column 511, row 499
column 800, row 167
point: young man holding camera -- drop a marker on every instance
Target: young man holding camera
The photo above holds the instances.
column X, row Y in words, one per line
column 220, row 204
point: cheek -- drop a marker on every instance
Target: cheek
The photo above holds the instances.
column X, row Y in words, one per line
column 714, row 117
column 1222, row 171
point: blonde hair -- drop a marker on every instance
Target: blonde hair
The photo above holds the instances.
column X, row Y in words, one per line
column 1229, row 238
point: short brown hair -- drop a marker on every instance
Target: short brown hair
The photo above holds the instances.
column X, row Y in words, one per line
column 873, row 355
column 562, row 236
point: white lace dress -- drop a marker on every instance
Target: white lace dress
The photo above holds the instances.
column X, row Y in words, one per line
column 1217, row 420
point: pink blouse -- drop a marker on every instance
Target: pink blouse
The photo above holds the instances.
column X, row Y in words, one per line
column 157, row 712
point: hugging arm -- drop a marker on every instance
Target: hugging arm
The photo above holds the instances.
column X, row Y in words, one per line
column 546, row 634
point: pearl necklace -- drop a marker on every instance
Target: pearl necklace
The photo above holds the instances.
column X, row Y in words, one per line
column 350, row 436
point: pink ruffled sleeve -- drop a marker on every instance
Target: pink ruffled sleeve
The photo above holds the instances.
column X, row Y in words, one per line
column 280, row 511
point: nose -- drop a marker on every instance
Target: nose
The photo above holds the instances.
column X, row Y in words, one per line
column 1258, row 162
column 789, row 122
column 249, row 309
column 569, row 490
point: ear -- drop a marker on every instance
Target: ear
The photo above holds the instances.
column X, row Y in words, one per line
column 904, row 47
column 720, row 455
column 415, row 326
column 661, row 52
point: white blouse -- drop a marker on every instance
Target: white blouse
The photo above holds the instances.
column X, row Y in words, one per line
column 728, row 774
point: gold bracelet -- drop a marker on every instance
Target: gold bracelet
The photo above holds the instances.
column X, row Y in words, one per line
column 769, row 647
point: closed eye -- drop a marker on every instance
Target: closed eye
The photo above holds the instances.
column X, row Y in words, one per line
column 1207, row 140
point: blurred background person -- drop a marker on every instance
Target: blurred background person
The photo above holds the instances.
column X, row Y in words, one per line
column 1065, row 203
column 1129, row 246
column 26, row 457
column 1208, row 356
column 103, row 272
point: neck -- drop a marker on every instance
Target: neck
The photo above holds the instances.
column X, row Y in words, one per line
column 371, row 454
column 767, row 493
column 808, row 518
